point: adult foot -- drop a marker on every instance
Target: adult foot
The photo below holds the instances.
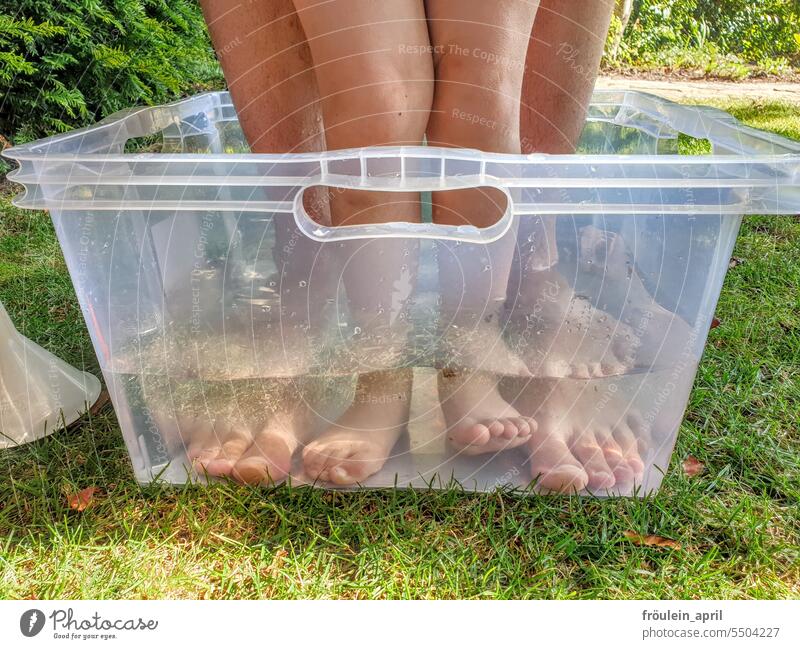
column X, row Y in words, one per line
column 359, row 443
column 560, row 334
column 607, row 272
column 478, row 419
column 237, row 449
column 583, row 441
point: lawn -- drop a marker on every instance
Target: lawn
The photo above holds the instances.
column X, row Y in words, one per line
column 737, row 523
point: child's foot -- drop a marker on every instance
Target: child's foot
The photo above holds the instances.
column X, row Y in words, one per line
column 478, row 419
column 582, row 441
column 359, row 443
column 608, row 273
column 563, row 335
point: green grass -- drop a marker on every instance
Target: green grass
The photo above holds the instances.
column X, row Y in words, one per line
column 738, row 522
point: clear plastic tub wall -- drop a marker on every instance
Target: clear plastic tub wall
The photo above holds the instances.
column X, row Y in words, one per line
column 212, row 297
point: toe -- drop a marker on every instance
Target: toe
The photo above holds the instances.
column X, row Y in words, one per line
column 203, row 457
column 328, row 462
column 638, row 426
column 343, row 474
column 612, row 369
column 237, row 439
column 344, row 463
column 555, row 369
column 623, row 474
column 510, row 430
column 629, row 448
column 203, row 446
column 268, row 460
column 471, row 434
column 523, row 426
column 199, row 439
column 496, row 428
column 253, row 471
column 642, row 432
column 581, row 371
column 566, row 478
column 553, row 466
column 588, row 451
column 314, row 461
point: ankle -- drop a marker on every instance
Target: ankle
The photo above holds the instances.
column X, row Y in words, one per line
column 547, row 285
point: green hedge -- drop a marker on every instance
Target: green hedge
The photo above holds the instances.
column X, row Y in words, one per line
column 64, row 63
column 712, row 33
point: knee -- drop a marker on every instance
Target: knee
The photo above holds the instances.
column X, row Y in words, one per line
column 476, row 106
column 383, row 105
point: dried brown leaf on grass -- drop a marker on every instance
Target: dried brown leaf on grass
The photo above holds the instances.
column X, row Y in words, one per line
column 651, row 540
column 692, row 466
column 82, row 499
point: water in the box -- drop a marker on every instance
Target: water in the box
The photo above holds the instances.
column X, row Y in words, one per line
column 631, row 420
column 408, row 362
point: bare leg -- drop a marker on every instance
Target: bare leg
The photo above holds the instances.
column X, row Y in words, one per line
column 371, row 95
column 561, row 68
column 562, row 64
column 479, row 53
column 267, row 65
column 563, row 59
column 268, row 69
column 571, row 450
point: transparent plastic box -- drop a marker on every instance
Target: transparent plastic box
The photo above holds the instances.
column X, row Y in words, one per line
column 219, row 308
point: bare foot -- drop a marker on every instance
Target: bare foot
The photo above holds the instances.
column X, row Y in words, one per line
column 560, row 334
column 478, row 419
column 268, row 459
column 582, row 441
column 608, row 273
column 247, row 453
column 359, row 443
